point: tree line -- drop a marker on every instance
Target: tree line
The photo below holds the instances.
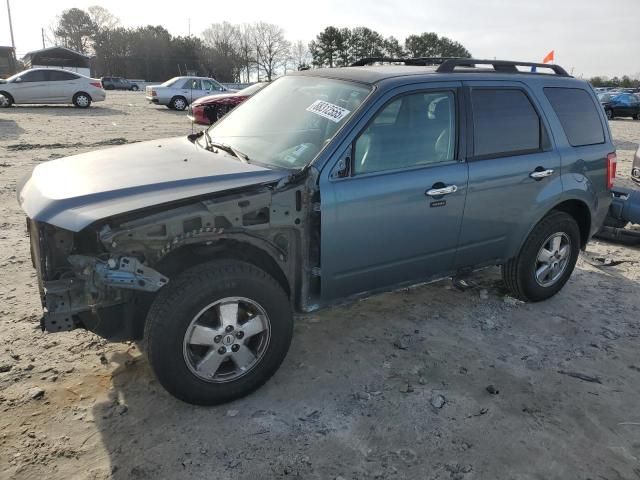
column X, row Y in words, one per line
column 624, row 82
column 228, row 52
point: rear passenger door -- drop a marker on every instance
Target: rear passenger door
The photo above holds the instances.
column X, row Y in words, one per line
column 62, row 86
column 512, row 169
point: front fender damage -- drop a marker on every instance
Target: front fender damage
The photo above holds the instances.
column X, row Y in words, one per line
column 89, row 289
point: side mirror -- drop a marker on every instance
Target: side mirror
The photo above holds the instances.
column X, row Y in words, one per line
column 18, row 80
column 342, row 168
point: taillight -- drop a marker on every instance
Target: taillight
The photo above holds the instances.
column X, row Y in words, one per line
column 96, row 84
column 154, row 93
column 612, row 162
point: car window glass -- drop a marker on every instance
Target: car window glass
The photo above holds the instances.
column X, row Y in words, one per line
column 192, row 84
column 35, row 76
column 55, row 75
column 209, row 85
column 504, row 122
column 577, row 114
column 413, row 130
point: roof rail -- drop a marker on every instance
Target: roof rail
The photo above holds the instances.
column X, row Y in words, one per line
column 448, row 64
column 504, row 66
column 407, row 61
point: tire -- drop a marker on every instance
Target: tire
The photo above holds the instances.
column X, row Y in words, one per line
column 178, row 103
column 520, row 273
column 638, row 115
column 193, row 303
column 8, row 100
column 134, row 88
column 609, row 114
column 82, row 100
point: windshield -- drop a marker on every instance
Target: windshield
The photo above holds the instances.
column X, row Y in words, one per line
column 256, row 87
column 169, row 82
column 289, row 123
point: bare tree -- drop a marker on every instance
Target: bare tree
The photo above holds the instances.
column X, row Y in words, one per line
column 300, row 54
column 224, row 41
column 246, row 47
column 271, row 47
column 102, row 18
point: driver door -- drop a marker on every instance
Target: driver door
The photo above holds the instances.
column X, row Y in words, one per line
column 33, row 87
column 392, row 204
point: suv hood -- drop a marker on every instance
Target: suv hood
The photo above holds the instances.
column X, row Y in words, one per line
column 75, row 191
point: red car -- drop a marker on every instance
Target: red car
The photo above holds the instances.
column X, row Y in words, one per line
column 208, row 110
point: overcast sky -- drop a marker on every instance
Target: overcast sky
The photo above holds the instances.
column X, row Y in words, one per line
column 591, row 37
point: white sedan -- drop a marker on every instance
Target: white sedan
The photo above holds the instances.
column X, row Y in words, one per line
column 51, row 85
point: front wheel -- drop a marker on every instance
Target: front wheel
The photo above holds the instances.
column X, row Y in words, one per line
column 134, row 88
column 218, row 331
column 546, row 259
column 609, row 113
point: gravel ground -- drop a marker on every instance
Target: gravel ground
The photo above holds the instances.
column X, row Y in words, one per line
column 430, row 382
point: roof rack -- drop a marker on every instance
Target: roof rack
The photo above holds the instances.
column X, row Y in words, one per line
column 407, row 61
column 449, row 64
column 504, row 66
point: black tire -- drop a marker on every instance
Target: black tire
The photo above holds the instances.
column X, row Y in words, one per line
column 609, row 114
column 134, row 88
column 638, row 115
column 177, row 304
column 82, row 100
column 519, row 274
column 8, row 100
column 178, row 103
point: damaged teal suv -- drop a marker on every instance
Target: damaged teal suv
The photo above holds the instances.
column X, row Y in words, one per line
column 326, row 186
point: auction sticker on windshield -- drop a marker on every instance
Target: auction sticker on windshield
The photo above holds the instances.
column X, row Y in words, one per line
column 328, row 110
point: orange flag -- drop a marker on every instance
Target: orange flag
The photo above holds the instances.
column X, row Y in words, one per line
column 549, row 57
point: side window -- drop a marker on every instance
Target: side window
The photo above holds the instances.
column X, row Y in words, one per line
column 577, row 114
column 192, row 83
column 35, row 76
column 57, row 76
column 416, row 129
column 504, row 123
column 209, row 85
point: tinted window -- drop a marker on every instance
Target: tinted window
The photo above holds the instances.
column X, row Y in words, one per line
column 35, row 76
column 417, row 129
column 192, row 83
column 55, row 75
column 577, row 114
column 504, row 123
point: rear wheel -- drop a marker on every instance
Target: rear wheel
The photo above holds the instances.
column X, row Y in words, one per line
column 638, row 115
column 134, row 88
column 82, row 100
column 546, row 259
column 178, row 103
column 609, row 113
column 218, row 332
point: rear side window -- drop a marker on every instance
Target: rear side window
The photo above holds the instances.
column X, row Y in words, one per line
column 577, row 114
column 504, row 123
column 56, row 76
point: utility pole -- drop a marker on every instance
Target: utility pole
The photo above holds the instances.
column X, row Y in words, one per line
column 13, row 43
column 42, row 29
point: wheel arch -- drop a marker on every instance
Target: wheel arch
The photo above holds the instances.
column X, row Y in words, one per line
column 581, row 214
column 8, row 95
column 189, row 256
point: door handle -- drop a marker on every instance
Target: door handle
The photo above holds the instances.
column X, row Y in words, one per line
column 539, row 173
column 436, row 192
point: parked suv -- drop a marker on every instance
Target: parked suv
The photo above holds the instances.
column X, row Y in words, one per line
column 372, row 178
column 118, row 83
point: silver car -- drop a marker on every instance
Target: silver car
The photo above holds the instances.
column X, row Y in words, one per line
column 179, row 92
column 50, row 85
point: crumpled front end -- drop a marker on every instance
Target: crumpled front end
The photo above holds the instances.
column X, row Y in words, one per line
column 75, row 288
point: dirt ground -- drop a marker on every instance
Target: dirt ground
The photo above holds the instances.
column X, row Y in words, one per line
column 396, row 386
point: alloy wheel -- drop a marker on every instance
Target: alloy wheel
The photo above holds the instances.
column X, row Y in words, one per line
column 552, row 259
column 226, row 339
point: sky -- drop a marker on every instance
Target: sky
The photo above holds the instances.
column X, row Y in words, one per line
column 589, row 37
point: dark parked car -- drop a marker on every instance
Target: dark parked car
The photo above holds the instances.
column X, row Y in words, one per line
column 620, row 105
column 328, row 186
column 208, row 110
column 635, row 168
column 118, row 83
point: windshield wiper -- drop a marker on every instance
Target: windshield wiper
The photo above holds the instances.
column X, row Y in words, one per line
column 243, row 157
